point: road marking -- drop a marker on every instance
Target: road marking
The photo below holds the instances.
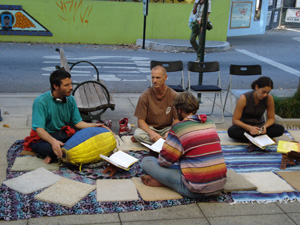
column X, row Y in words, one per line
column 111, row 68
column 292, row 30
column 296, row 38
column 271, row 62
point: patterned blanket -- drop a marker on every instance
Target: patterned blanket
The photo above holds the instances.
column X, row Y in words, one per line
column 15, row 206
column 239, row 159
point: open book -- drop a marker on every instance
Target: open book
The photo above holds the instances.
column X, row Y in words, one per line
column 120, row 159
column 288, row 146
column 260, row 141
column 157, row 146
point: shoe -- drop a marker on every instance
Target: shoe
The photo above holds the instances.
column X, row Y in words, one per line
column 108, row 123
column 197, row 60
column 125, row 127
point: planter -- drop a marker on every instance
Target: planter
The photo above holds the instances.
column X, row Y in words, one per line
column 293, row 123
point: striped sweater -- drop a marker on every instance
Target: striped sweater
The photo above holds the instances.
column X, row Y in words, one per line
column 195, row 143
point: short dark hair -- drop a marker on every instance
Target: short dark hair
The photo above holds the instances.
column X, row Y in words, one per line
column 187, row 102
column 56, row 77
column 262, row 82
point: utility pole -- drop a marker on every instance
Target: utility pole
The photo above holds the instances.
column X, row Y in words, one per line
column 145, row 12
column 202, row 39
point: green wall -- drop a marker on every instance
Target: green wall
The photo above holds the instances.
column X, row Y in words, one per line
column 106, row 22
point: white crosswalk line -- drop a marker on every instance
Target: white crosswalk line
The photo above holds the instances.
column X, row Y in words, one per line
column 271, row 62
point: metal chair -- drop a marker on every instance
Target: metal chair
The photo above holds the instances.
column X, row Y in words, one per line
column 240, row 70
column 207, row 68
column 171, row 66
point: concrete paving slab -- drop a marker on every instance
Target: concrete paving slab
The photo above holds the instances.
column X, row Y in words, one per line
column 250, row 220
column 295, row 217
column 14, row 222
column 7, row 112
column 224, row 209
column 15, row 122
column 111, row 218
column 290, row 207
column 176, row 212
column 198, row 221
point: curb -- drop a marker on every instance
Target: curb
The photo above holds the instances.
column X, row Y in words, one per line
column 182, row 45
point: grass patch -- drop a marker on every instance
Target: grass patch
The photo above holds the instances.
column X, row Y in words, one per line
column 288, row 107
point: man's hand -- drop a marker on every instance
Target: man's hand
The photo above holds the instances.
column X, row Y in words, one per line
column 154, row 136
column 56, row 147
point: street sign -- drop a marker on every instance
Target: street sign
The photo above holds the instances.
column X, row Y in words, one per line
column 145, row 7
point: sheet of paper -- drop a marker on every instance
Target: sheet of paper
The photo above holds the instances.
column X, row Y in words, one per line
column 157, row 146
column 123, row 159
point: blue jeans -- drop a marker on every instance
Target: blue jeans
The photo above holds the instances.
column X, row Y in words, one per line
column 171, row 177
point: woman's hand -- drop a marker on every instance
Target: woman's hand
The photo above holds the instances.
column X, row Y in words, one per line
column 254, row 130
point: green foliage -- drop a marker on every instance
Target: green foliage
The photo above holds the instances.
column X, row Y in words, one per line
column 288, row 107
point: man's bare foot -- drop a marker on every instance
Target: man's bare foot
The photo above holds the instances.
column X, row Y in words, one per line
column 133, row 139
column 150, row 181
column 47, row 160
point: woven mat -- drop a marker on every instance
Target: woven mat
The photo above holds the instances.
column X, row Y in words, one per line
column 65, row 192
column 154, row 193
column 133, row 145
column 236, row 182
column 268, row 182
column 29, row 163
column 32, row 181
column 116, row 190
column 295, row 134
column 292, row 178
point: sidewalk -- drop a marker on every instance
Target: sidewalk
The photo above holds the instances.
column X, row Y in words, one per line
column 16, row 112
column 181, row 45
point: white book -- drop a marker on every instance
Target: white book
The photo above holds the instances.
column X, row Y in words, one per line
column 261, row 141
column 157, row 146
column 120, row 159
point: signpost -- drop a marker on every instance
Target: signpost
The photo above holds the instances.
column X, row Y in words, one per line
column 202, row 35
column 145, row 11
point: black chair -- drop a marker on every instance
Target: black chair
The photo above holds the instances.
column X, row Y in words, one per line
column 240, row 70
column 171, row 66
column 207, row 68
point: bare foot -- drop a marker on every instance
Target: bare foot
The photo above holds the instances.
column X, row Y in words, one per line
column 47, row 160
column 150, row 181
column 133, row 139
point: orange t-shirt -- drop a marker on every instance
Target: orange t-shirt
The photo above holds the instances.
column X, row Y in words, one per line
column 157, row 112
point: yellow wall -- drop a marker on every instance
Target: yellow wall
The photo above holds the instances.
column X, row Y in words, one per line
column 106, row 22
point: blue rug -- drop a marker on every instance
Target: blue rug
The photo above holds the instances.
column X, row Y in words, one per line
column 239, row 159
column 16, row 206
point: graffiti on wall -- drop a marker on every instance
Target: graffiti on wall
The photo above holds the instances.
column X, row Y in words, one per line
column 72, row 10
column 16, row 21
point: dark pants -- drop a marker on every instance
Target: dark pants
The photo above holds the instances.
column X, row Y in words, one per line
column 193, row 41
column 237, row 133
column 43, row 148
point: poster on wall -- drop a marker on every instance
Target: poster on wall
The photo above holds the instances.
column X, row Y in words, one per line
column 16, row 21
column 292, row 16
column 278, row 4
column 269, row 17
column 240, row 15
column 297, row 5
column 275, row 19
column 270, row 2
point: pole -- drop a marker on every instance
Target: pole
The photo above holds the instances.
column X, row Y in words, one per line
column 145, row 12
column 144, row 32
column 202, row 39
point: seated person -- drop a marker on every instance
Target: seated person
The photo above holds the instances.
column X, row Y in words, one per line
column 249, row 112
column 194, row 144
column 53, row 113
column 155, row 110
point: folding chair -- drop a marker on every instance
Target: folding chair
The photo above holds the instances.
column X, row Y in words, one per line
column 171, row 66
column 240, row 70
column 208, row 68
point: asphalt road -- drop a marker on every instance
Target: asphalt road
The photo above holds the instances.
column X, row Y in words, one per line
column 25, row 67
